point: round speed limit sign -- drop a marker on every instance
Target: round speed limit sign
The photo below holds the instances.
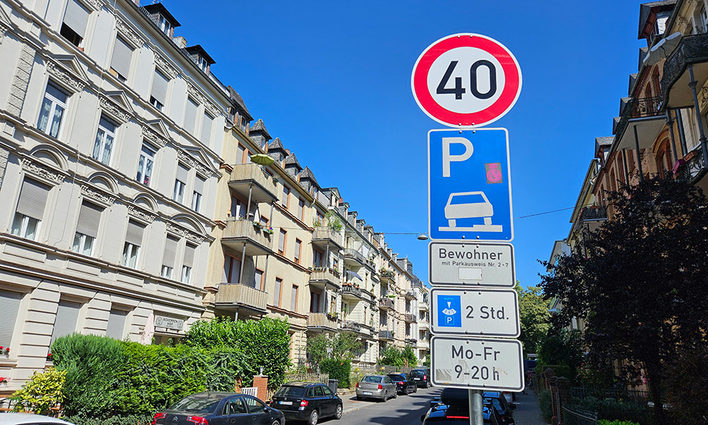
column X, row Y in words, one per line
column 466, row 80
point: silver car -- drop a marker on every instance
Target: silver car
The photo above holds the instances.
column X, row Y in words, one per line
column 376, row 386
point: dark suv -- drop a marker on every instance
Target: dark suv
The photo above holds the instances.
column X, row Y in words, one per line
column 453, row 409
column 421, row 377
column 302, row 401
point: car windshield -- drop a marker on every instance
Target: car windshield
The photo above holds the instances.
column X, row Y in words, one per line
column 397, row 377
column 474, row 198
column 290, row 391
column 417, row 372
column 198, row 403
column 375, row 379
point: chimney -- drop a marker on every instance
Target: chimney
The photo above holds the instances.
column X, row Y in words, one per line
column 180, row 41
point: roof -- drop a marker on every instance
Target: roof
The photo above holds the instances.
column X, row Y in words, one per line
column 292, row 160
column 162, row 10
column 260, row 127
column 645, row 11
column 308, row 174
column 301, row 384
column 198, row 49
column 233, row 94
column 276, row 144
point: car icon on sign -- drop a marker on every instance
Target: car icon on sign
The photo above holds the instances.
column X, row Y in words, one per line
column 466, row 205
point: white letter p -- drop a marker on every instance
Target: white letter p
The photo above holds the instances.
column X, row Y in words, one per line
column 447, row 158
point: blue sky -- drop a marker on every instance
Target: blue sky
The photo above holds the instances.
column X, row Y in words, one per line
column 332, row 80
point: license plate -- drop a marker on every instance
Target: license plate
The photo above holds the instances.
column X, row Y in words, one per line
column 416, row 379
column 287, row 403
column 366, row 392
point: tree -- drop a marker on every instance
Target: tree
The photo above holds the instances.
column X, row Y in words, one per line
column 534, row 317
column 640, row 281
column 340, row 346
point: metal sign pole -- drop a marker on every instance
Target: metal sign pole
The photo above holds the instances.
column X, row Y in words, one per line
column 474, row 398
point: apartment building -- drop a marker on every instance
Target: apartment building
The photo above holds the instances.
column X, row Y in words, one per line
column 111, row 132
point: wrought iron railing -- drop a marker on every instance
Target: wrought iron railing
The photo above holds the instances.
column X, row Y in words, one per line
column 692, row 49
column 637, row 108
column 595, row 213
column 691, row 167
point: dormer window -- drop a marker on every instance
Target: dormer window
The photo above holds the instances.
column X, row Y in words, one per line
column 200, row 57
column 165, row 25
column 161, row 17
column 203, row 65
column 661, row 19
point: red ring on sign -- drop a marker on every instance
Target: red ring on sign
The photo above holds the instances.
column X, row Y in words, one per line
column 512, row 85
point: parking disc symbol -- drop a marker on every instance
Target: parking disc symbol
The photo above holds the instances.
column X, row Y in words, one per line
column 449, row 310
column 469, row 187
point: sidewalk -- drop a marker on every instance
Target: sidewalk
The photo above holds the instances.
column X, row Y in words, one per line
column 528, row 411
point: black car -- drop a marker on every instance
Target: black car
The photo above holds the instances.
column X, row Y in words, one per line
column 453, row 409
column 403, row 385
column 219, row 408
column 421, row 377
column 498, row 401
column 301, row 401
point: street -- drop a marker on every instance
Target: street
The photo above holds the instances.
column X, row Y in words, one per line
column 405, row 409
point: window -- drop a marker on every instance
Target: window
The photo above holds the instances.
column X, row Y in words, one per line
column 243, row 124
column 258, row 279
column 180, row 183
column 293, row 298
column 165, row 25
column 281, row 241
column 120, row 61
column 104, row 141
column 317, row 258
column 240, row 154
column 145, row 163
column 133, row 240
column 116, row 323
column 197, row 194
column 254, row 405
column 66, row 319
column 315, row 302
column 158, row 96
column 232, row 269
column 285, row 199
column 53, row 107
column 298, row 247
column 206, row 128
column 30, row 209
column 238, row 208
column 190, row 115
column 301, row 209
column 9, row 307
column 235, row 406
column 73, row 27
column 278, row 287
column 188, row 261
column 203, row 64
column 87, row 228
column 168, row 257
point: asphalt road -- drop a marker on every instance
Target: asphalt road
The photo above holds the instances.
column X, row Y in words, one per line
column 405, row 409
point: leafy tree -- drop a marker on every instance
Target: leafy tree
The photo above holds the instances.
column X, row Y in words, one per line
column 409, row 358
column 640, row 281
column 534, row 317
column 42, row 392
column 564, row 349
column 391, row 356
column 687, row 386
column 318, row 349
column 340, row 346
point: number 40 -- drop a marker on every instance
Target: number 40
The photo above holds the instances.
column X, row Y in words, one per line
column 458, row 90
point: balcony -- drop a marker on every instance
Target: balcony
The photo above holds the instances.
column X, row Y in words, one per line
column 354, row 258
column 386, row 335
column 350, row 292
column 321, row 276
column 241, row 296
column 387, row 275
column 325, row 236
column 251, row 178
column 639, row 116
column 409, row 318
column 423, row 306
column 692, row 167
column 411, row 341
column 423, row 325
column 241, row 231
column 386, row 304
column 692, row 50
column 320, row 322
column 410, row 295
column 594, row 213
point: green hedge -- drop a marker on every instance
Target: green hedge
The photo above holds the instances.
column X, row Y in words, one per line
column 614, row 409
column 544, row 401
column 113, row 420
column 337, row 369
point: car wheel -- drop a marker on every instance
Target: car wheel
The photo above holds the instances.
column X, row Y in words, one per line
column 275, row 422
column 338, row 412
column 313, row 418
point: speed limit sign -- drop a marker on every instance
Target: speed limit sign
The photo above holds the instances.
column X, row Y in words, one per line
column 466, row 80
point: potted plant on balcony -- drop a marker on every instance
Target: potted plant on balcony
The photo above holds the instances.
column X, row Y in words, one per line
column 268, row 230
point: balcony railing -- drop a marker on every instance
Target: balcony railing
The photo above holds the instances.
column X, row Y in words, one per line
column 250, row 232
column 386, row 335
column 410, row 318
column 356, row 256
column 326, row 235
column 386, row 274
column 321, row 321
column 321, row 274
column 386, row 304
column 594, row 213
column 691, row 167
column 411, row 341
column 692, row 49
column 252, row 176
column 352, row 290
column 637, row 108
column 242, row 296
column 410, row 295
column 351, row 326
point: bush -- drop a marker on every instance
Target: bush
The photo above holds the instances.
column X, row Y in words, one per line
column 41, row 392
column 687, row 386
column 113, row 420
column 337, row 369
column 614, row 409
column 544, row 401
column 226, row 366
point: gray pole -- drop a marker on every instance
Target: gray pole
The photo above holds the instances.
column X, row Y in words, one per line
column 639, row 155
column 475, row 407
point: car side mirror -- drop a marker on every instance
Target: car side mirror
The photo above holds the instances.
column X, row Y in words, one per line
column 268, row 402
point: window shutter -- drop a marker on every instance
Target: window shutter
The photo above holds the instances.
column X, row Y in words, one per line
column 182, row 173
column 134, row 234
column 89, row 218
column 159, row 87
column 206, row 128
column 65, row 321
column 170, row 250
column 189, row 255
column 199, row 185
column 76, row 17
column 122, row 54
column 9, row 306
column 116, row 324
column 190, row 115
column 33, row 197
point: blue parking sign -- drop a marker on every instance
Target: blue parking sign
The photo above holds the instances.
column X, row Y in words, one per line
column 449, row 311
column 469, row 185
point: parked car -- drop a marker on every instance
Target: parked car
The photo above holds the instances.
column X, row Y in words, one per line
column 498, row 401
column 403, row 385
column 11, row 418
column 302, row 401
column 375, row 386
column 452, row 408
column 219, row 408
column 421, row 377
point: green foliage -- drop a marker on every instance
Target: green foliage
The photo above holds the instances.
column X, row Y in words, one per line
column 615, row 422
column 318, row 348
column 337, row 369
column 391, row 356
column 91, row 364
column 113, row 420
column 616, row 409
column 226, row 366
column 340, row 346
column 264, row 343
column 41, row 392
column 333, row 221
column 544, row 401
column 564, row 350
column 426, row 362
column 409, row 358
column 534, row 317
column 686, row 384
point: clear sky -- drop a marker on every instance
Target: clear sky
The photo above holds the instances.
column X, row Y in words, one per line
column 332, row 80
